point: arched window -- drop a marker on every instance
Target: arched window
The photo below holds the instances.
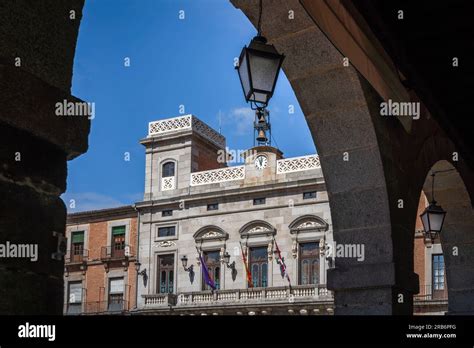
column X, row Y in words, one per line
column 168, row 170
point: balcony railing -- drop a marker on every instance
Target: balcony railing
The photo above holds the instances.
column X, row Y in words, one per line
column 427, row 293
column 298, row 293
column 116, row 252
column 73, row 256
column 186, row 122
column 217, row 175
column 297, row 164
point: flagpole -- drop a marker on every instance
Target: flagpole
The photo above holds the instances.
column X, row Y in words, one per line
column 244, row 259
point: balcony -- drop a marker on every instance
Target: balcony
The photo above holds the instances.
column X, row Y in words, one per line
column 76, row 256
column 298, row 294
column 428, row 294
column 429, row 301
column 116, row 252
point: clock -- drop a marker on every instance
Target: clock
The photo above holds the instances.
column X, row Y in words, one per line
column 261, row 162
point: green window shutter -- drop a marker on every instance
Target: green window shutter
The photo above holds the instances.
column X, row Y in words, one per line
column 118, row 230
column 78, row 237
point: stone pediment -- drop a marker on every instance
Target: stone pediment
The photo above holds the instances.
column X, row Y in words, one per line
column 210, row 233
column 308, row 223
column 257, row 228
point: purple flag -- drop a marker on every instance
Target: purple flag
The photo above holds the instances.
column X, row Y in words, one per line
column 205, row 272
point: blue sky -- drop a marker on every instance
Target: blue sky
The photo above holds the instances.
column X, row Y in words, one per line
column 173, row 62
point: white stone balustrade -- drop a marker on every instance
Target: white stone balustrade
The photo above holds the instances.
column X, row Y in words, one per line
column 187, row 122
column 298, row 293
column 297, row 164
column 217, row 175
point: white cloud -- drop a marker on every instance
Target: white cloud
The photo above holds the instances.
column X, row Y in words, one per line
column 241, row 120
column 85, row 201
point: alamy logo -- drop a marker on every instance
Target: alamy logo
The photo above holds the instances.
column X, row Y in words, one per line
column 332, row 249
column 68, row 108
column 392, row 108
column 11, row 250
column 37, row 331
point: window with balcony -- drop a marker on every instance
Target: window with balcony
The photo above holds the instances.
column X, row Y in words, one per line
column 118, row 241
column 438, row 281
column 168, row 231
column 259, row 266
column 212, row 259
column 309, row 263
column 77, row 246
column 116, row 298
column 74, row 305
column 165, row 274
column 168, row 179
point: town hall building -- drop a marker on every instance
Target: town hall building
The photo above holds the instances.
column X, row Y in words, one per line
column 263, row 229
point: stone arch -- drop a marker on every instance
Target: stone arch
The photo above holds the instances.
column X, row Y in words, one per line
column 210, row 233
column 457, row 235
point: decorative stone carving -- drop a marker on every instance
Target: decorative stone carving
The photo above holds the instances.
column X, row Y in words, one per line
column 166, row 244
column 217, row 175
column 322, row 246
column 270, row 251
column 168, row 183
column 211, row 234
column 294, row 249
column 258, row 229
column 296, row 164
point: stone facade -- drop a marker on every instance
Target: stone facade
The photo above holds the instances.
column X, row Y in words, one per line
column 285, row 215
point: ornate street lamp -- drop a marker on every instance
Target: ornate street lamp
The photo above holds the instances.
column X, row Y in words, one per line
column 190, row 269
column 433, row 216
column 142, row 273
column 259, row 66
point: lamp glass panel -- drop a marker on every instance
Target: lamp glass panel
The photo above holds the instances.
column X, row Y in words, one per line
column 424, row 220
column 436, row 221
column 264, row 71
column 244, row 75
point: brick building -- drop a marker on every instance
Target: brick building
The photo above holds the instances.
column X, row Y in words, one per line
column 99, row 272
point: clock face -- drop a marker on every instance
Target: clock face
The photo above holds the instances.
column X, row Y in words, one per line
column 261, row 162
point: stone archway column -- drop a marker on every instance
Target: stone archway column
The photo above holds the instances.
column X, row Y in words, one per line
column 37, row 47
column 341, row 109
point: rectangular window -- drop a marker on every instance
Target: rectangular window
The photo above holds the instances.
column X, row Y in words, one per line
column 118, row 241
column 258, row 201
column 165, row 274
column 309, row 195
column 74, row 298
column 167, row 213
column 308, row 263
column 77, row 246
column 259, row 266
column 168, row 231
column 439, row 281
column 212, row 259
column 213, row 206
column 116, row 289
